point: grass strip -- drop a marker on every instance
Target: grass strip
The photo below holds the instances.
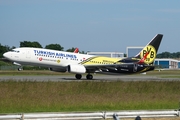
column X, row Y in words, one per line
column 27, row 96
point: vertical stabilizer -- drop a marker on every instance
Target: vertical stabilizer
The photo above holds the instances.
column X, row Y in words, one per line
column 148, row 53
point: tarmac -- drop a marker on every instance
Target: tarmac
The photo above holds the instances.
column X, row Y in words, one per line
column 69, row 78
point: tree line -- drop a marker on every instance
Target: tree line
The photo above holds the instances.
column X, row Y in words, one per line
column 168, row 55
column 35, row 44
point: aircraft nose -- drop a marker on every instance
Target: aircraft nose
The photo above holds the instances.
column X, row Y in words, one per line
column 6, row 55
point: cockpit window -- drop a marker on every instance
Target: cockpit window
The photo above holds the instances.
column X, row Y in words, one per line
column 17, row 51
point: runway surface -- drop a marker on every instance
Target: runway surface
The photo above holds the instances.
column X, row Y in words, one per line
column 95, row 78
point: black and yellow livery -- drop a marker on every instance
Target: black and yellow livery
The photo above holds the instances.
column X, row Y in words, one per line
column 142, row 62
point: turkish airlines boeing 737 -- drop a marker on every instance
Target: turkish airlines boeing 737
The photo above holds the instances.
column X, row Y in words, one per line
column 78, row 64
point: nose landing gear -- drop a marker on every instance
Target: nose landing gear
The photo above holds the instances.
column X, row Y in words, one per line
column 20, row 69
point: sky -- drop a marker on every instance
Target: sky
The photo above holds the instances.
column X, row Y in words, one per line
column 91, row 25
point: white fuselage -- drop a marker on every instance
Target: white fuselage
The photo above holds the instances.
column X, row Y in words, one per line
column 44, row 57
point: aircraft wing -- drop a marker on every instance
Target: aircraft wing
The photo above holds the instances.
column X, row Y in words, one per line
column 106, row 67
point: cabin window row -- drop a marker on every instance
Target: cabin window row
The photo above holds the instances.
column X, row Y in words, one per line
column 56, row 57
column 100, row 62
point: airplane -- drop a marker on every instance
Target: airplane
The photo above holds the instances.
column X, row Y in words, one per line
column 60, row 61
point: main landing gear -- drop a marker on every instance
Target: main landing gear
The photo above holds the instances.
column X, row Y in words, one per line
column 78, row 76
column 88, row 76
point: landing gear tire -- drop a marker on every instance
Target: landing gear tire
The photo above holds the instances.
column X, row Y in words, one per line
column 89, row 77
column 78, row 76
column 19, row 69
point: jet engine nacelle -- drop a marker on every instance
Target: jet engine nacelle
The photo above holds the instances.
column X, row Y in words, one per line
column 79, row 69
column 58, row 69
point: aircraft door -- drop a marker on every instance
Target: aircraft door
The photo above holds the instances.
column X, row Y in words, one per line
column 135, row 66
column 28, row 54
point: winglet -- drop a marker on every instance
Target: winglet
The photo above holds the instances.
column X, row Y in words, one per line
column 76, row 50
